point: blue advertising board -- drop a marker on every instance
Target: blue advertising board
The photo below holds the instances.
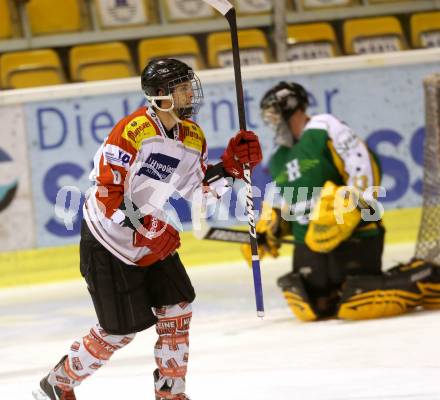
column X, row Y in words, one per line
column 383, row 105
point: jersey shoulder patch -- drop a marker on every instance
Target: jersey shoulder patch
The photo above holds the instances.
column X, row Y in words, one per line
column 138, row 129
column 192, row 135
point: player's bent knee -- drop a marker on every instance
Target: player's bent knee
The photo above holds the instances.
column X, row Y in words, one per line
column 296, row 296
column 376, row 296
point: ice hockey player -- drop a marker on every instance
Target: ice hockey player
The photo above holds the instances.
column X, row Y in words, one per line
column 338, row 233
column 128, row 242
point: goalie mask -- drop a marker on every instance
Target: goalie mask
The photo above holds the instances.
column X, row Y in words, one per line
column 173, row 80
column 278, row 105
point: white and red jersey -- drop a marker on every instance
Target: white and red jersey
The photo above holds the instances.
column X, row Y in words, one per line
column 140, row 163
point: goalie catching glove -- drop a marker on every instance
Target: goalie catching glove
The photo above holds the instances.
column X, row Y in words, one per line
column 271, row 228
column 334, row 218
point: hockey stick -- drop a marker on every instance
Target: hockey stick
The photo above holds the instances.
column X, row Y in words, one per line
column 232, row 235
column 225, row 8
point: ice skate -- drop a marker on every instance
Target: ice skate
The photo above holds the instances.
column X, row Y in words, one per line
column 48, row 392
column 164, row 387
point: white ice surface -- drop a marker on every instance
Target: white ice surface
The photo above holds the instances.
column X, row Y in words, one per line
column 234, row 355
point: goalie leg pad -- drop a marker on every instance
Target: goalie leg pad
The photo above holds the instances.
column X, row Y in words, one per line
column 430, row 288
column 375, row 296
column 296, row 296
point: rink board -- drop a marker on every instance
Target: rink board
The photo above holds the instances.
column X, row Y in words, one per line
column 62, row 263
column 381, row 96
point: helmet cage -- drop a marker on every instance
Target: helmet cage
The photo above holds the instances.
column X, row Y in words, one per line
column 272, row 115
column 185, row 111
column 278, row 105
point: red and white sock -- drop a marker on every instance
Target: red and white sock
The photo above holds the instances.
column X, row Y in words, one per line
column 172, row 347
column 86, row 356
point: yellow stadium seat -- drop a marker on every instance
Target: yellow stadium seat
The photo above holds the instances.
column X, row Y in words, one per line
column 320, row 4
column 373, row 35
column 6, row 30
column 100, row 61
column 183, row 48
column 125, row 13
column 425, row 29
column 54, row 16
column 184, row 11
column 310, row 41
column 30, row 68
column 254, row 48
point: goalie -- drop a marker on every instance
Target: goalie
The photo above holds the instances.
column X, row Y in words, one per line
column 339, row 236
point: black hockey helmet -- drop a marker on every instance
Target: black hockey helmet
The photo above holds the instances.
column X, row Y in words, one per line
column 278, row 105
column 163, row 75
column 281, row 102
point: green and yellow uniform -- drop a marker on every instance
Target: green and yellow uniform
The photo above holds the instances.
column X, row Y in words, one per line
column 327, row 150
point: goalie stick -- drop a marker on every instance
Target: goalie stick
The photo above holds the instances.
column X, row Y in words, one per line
column 225, row 8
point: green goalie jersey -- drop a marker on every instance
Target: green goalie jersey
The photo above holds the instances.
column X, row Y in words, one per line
column 328, row 150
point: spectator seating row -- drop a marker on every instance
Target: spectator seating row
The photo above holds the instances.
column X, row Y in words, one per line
column 55, row 16
column 306, row 41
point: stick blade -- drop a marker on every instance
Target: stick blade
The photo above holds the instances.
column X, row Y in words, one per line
column 222, row 6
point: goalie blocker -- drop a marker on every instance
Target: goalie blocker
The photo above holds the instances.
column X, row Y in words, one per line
column 395, row 292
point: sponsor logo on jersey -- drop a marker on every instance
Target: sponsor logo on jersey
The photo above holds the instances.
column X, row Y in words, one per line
column 345, row 141
column 159, row 166
column 192, row 137
column 308, row 164
column 116, row 156
column 189, row 132
column 133, row 133
column 137, row 130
